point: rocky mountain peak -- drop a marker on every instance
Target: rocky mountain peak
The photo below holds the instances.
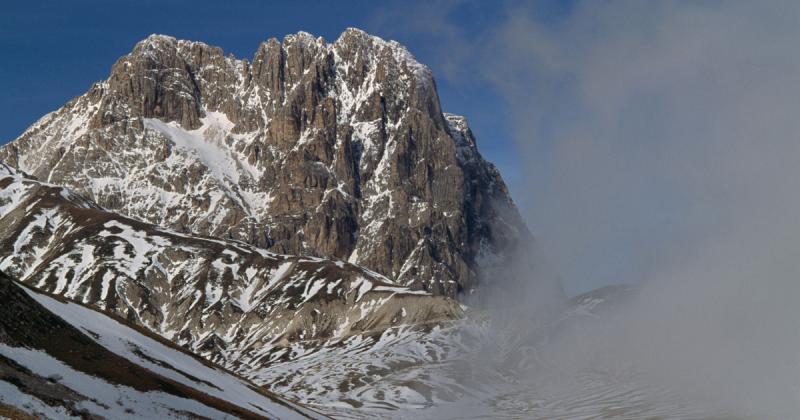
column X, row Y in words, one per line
column 336, row 150
column 303, row 38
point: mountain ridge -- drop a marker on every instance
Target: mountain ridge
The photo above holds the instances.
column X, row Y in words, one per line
column 227, row 301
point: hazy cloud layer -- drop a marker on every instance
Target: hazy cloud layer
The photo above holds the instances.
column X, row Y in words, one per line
column 651, row 127
column 662, row 143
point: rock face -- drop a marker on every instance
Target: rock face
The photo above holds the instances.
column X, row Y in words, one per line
column 239, row 306
column 333, row 150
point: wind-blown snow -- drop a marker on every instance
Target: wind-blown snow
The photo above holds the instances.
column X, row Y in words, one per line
column 124, row 341
column 11, row 395
column 128, row 402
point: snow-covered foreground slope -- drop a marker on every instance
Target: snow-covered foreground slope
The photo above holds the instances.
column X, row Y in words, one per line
column 236, row 305
column 63, row 360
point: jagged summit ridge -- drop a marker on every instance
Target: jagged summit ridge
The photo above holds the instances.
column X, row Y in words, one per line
column 334, row 150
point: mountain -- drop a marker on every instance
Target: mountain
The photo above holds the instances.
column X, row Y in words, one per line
column 62, row 360
column 308, row 220
column 333, row 150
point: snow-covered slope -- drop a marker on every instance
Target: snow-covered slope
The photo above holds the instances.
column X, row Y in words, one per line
column 62, row 360
column 481, row 368
column 236, row 305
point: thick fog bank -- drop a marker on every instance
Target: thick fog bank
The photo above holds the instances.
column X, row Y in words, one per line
column 662, row 144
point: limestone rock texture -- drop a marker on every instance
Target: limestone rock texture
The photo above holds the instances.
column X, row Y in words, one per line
column 333, row 150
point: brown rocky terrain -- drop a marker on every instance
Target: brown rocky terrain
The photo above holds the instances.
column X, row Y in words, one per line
column 31, row 332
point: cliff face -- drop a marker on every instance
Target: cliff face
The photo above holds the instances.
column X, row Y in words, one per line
column 333, row 150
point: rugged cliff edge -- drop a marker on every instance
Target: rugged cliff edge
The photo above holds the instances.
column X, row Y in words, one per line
column 335, row 150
